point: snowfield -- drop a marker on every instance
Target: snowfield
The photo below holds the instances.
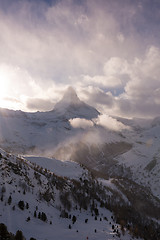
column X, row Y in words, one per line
column 60, row 168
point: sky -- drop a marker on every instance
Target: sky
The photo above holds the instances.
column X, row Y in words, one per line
column 108, row 50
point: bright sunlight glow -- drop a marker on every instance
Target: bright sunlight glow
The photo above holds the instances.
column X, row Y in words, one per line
column 7, row 86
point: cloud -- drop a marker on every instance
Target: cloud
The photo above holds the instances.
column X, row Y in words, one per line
column 37, row 103
column 97, row 97
column 142, row 91
column 138, row 94
column 11, row 103
column 102, row 81
column 43, row 36
column 145, row 74
column 106, row 51
column 81, row 123
column 116, row 66
column 9, row 99
column 18, row 88
column 104, row 120
column 115, row 74
column 110, row 123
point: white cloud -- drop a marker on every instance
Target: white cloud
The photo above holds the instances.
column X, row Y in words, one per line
column 110, row 123
column 102, row 81
column 116, row 66
column 80, row 123
column 69, row 40
column 145, row 74
column 141, row 91
column 138, row 86
column 19, row 90
column 115, row 74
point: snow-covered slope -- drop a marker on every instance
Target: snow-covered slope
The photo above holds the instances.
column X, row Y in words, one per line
column 46, row 206
column 144, row 158
column 67, row 169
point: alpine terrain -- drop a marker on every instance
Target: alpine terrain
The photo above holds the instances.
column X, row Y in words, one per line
column 74, row 173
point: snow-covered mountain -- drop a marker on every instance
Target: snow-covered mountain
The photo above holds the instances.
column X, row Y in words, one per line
column 71, row 106
column 41, row 131
column 121, row 156
column 124, row 153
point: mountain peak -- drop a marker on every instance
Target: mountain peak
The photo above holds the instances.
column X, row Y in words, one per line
column 69, row 99
column 70, row 90
column 72, row 106
column 70, row 96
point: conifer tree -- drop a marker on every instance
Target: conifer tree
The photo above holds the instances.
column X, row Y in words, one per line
column 9, row 200
column 19, row 235
column 3, row 231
